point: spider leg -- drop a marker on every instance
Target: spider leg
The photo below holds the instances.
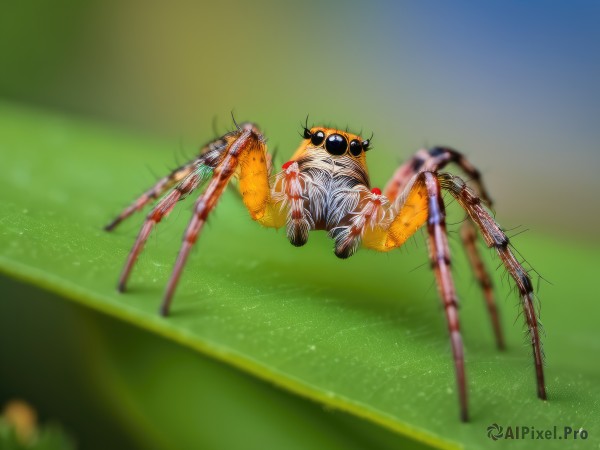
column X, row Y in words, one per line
column 161, row 186
column 194, row 178
column 246, row 150
column 439, row 254
column 469, row 235
column 434, row 160
column 209, row 156
column 421, row 203
column 496, row 238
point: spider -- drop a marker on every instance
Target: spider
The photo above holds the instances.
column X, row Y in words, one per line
column 325, row 186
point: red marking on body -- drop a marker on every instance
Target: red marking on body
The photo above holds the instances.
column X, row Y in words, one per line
column 355, row 231
column 376, row 191
column 287, row 164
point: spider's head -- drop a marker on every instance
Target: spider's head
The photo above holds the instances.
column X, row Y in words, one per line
column 333, row 152
column 335, row 142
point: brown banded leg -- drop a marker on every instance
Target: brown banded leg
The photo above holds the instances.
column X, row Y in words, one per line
column 468, row 234
column 434, row 160
column 209, row 157
column 495, row 237
column 247, row 138
column 421, row 203
column 161, row 210
column 161, row 186
column 439, row 253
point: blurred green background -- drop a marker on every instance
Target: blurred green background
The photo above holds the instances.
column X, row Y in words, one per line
column 514, row 85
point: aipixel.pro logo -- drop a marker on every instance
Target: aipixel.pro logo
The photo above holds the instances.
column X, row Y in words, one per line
column 496, row 432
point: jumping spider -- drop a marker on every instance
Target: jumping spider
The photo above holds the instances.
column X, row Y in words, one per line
column 325, row 186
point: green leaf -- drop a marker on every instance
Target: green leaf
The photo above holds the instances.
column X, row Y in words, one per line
column 50, row 437
column 365, row 335
column 138, row 390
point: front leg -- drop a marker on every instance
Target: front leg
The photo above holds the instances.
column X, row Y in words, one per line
column 390, row 226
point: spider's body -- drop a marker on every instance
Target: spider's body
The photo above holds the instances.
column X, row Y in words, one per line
column 325, row 186
column 319, row 190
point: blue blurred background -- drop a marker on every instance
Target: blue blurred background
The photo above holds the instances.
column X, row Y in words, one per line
column 513, row 84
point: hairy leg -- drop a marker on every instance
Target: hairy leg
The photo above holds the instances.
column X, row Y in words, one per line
column 434, row 160
column 469, row 236
column 196, row 177
column 161, row 186
column 420, row 204
column 209, row 156
column 247, row 150
column 439, row 254
column 495, row 238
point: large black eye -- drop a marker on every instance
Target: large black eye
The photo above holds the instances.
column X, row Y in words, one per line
column 317, row 138
column 355, row 147
column 307, row 134
column 336, row 144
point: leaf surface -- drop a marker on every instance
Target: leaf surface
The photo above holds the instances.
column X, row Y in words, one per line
column 364, row 335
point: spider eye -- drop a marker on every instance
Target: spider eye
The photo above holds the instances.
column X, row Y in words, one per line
column 336, row 144
column 365, row 145
column 355, row 147
column 307, row 134
column 317, row 138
